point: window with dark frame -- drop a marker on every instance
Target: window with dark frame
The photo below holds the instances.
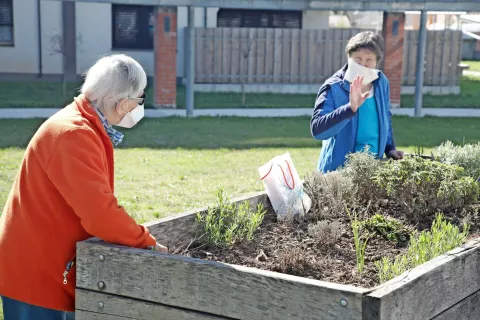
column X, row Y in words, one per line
column 132, row 26
column 234, row 18
column 6, row 22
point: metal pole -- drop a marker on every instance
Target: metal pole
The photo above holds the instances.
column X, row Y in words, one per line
column 422, row 44
column 190, row 65
column 39, row 34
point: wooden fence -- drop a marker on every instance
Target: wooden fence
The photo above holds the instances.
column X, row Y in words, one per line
column 443, row 55
column 296, row 56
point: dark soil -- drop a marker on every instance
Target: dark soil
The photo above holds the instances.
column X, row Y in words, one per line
column 288, row 248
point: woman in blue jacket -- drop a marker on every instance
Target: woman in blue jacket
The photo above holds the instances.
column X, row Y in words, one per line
column 352, row 109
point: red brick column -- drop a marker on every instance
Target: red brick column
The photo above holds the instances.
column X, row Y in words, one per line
column 165, row 55
column 393, row 34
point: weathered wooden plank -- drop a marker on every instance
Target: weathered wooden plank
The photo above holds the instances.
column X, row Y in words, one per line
column 467, row 309
column 236, row 57
column 327, row 67
column 428, row 79
column 337, row 48
column 447, row 52
column 277, row 55
column 199, row 44
column 287, row 43
column 457, row 55
column 260, row 54
column 318, row 46
column 443, row 58
column 180, row 229
column 252, row 54
column 303, row 73
column 88, row 315
column 112, row 305
column 445, row 280
column 226, row 290
column 217, row 54
column 295, row 56
column 210, row 55
column 226, row 54
column 244, row 50
column 215, row 288
column 269, row 55
column 346, row 35
column 437, row 57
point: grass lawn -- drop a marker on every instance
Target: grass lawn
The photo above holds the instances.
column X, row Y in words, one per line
column 167, row 166
column 37, row 94
column 474, row 65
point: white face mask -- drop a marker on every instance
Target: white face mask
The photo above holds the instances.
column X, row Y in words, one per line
column 132, row 117
column 355, row 69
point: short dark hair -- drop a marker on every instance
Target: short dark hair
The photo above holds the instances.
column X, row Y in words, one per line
column 366, row 40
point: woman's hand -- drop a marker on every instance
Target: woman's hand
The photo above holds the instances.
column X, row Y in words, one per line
column 357, row 98
column 159, row 248
column 395, row 154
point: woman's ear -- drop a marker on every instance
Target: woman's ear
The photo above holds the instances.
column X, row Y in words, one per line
column 121, row 107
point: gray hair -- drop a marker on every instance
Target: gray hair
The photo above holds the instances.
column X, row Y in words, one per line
column 366, row 40
column 113, row 78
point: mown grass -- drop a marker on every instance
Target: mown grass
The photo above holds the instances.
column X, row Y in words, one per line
column 48, row 94
column 166, row 166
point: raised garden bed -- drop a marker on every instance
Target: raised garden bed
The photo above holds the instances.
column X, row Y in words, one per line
column 381, row 240
column 115, row 282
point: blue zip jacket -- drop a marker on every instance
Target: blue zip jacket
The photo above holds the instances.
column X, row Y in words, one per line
column 334, row 122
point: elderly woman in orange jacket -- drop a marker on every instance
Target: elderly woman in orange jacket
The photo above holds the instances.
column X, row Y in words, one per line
column 64, row 193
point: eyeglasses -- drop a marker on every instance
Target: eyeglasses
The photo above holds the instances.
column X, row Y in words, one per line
column 141, row 99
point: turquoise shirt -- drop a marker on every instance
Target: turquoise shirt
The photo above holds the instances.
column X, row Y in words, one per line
column 368, row 126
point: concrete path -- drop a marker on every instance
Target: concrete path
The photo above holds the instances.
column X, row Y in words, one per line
column 471, row 73
column 18, row 113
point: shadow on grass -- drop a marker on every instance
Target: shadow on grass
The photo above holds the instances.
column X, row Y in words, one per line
column 246, row 133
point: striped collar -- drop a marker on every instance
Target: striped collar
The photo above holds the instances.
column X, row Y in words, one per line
column 115, row 136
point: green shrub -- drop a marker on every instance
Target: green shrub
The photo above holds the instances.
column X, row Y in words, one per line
column 466, row 156
column 329, row 194
column 442, row 237
column 424, row 187
column 387, row 227
column 228, row 223
column 325, row 233
column 361, row 168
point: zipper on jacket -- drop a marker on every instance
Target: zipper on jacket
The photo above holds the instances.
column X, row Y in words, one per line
column 67, row 270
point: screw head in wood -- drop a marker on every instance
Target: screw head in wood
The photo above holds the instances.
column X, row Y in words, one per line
column 100, row 304
column 343, row 302
column 101, row 284
column 102, row 257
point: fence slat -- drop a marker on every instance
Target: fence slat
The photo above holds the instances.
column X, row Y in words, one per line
column 277, row 63
column 447, row 58
column 269, row 56
column 297, row 56
column 260, row 67
column 457, row 56
column 235, row 57
column 286, row 55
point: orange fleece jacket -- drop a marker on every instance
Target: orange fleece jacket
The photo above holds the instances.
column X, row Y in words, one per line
column 62, row 194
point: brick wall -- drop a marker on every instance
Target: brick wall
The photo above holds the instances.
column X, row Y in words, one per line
column 393, row 34
column 165, row 58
